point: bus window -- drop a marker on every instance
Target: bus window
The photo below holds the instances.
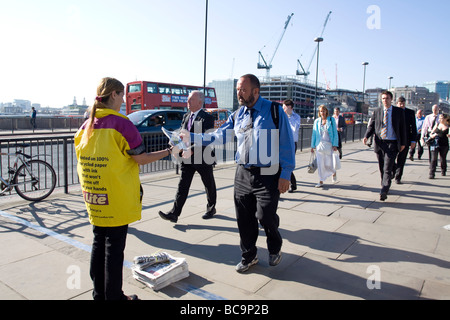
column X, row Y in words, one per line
column 211, row 93
column 164, row 89
column 134, row 88
column 152, row 88
column 178, row 90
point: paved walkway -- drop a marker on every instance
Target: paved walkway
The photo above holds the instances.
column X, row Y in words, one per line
column 340, row 242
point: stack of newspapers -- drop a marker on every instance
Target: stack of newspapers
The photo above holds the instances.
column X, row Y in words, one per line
column 159, row 270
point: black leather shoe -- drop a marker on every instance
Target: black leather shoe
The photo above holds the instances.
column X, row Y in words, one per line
column 168, row 216
column 209, row 215
column 383, row 196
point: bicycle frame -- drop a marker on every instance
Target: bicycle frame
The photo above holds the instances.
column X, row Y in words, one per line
column 8, row 185
column 19, row 156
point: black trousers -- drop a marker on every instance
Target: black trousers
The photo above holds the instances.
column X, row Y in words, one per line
column 418, row 146
column 400, row 164
column 293, row 180
column 441, row 152
column 256, row 199
column 386, row 155
column 107, row 257
column 187, row 174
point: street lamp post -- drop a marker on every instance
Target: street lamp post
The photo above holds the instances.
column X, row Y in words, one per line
column 390, row 78
column 318, row 40
column 204, row 61
column 364, row 89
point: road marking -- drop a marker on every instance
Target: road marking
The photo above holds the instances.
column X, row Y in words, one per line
column 180, row 285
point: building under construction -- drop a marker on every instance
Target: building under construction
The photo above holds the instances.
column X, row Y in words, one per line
column 298, row 89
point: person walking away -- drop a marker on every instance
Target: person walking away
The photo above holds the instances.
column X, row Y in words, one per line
column 440, row 134
column 341, row 126
column 388, row 126
column 419, row 124
column 324, row 142
column 411, row 133
column 428, row 124
column 259, row 179
column 109, row 150
column 199, row 121
column 295, row 122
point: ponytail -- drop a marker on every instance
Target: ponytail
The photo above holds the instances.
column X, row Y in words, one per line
column 104, row 91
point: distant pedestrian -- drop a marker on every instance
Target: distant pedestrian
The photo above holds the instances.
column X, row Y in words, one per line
column 440, row 146
column 33, row 118
column 341, row 126
column 294, row 121
column 411, row 135
column 388, row 126
column 324, row 142
column 419, row 124
column 428, row 125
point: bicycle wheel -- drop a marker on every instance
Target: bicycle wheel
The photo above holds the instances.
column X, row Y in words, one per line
column 35, row 180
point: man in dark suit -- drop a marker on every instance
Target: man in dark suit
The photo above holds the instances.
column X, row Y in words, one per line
column 411, row 135
column 201, row 160
column 388, row 126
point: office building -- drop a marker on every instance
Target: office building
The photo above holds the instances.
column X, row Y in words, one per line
column 440, row 87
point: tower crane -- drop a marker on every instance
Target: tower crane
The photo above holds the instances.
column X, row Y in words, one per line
column 266, row 65
column 300, row 70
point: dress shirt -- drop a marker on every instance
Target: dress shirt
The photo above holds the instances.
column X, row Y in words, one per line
column 419, row 123
column 261, row 150
column 294, row 121
column 428, row 124
column 390, row 129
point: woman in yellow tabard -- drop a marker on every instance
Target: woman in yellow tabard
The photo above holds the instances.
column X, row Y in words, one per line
column 109, row 151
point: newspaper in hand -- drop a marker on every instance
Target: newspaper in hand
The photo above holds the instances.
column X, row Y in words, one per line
column 174, row 138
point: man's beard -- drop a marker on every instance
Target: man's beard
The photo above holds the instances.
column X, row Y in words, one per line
column 249, row 102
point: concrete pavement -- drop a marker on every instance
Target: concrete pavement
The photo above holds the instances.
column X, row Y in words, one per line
column 340, row 242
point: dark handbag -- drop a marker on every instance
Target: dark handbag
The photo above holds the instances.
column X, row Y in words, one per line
column 432, row 142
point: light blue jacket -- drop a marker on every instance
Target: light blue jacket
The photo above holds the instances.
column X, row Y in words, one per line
column 332, row 131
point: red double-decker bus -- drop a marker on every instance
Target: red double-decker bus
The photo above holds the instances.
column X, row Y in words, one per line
column 143, row 95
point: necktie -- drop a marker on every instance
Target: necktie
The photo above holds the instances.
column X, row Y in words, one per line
column 190, row 122
column 248, row 135
column 384, row 127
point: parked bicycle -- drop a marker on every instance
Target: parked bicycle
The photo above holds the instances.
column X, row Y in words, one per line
column 33, row 179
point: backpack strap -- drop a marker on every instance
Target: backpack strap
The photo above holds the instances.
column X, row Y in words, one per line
column 274, row 111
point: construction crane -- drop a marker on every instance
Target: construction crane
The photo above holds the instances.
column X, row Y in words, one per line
column 266, row 65
column 300, row 70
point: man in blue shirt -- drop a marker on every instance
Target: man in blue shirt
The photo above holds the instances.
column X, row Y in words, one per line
column 295, row 122
column 419, row 123
column 265, row 157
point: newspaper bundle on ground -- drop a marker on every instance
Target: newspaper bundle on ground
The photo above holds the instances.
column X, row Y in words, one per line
column 160, row 270
column 174, row 138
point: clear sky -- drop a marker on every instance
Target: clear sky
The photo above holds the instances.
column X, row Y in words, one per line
column 54, row 50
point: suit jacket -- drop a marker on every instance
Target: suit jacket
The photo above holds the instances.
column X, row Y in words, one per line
column 411, row 128
column 398, row 123
column 202, row 123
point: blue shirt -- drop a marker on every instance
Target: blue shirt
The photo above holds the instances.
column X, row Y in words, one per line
column 270, row 147
column 419, row 123
column 295, row 120
column 390, row 129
